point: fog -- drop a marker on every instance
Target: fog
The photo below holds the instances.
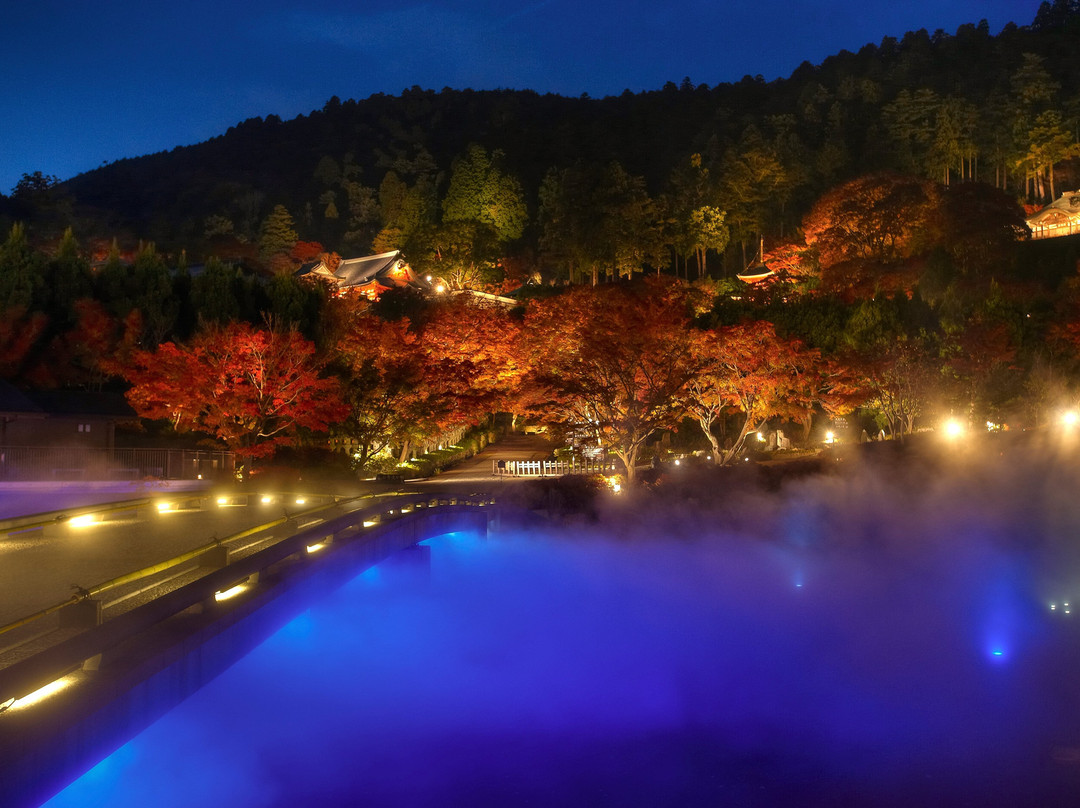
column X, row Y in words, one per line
column 878, row 635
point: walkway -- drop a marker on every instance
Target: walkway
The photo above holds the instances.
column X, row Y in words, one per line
column 478, row 468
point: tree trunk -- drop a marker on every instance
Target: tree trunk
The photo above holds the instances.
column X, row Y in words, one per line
column 736, row 447
column 628, row 456
column 717, row 455
column 406, row 447
column 806, row 421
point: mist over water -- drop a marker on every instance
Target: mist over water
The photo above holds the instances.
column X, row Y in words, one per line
column 879, row 636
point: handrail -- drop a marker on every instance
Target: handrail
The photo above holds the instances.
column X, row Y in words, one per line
column 154, row 569
column 28, row 674
column 14, row 524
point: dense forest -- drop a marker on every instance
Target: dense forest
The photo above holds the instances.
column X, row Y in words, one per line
column 357, row 176
column 884, row 191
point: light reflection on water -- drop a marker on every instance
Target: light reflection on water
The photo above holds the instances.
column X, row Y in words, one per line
column 550, row 671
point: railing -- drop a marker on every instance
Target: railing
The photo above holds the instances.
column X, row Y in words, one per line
column 30, row 674
column 83, row 463
column 548, row 468
column 23, row 524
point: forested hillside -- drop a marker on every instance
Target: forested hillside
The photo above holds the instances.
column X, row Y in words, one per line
column 884, row 188
column 365, row 175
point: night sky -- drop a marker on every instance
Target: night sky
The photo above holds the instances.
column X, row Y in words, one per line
column 90, row 82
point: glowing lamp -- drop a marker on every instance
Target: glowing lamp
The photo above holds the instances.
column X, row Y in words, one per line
column 166, row 506
column 301, row 501
column 231, row 592
column 830, row 437
column 314, row 548
column 953, row 428
column 1070, row 418
column 43, row 693
column 82, row 520
column 266, row 500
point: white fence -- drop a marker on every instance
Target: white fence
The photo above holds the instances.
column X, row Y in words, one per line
column 549, row 468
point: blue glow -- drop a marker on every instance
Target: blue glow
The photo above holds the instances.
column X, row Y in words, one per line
column 538, row 670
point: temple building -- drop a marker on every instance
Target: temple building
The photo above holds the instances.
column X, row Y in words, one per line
column 369, row 276
column 1060, row 218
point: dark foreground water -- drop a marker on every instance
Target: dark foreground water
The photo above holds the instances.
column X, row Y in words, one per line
column 677, row 670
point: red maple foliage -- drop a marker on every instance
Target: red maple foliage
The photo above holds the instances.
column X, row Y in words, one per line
column 748, row 369
column 613, row 361
column 251, row 388
column 304, row 251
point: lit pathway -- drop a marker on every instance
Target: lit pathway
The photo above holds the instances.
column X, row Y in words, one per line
column 478, row 469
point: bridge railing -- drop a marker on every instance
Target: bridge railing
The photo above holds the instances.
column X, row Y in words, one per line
column 549, row 468
column 85, row 649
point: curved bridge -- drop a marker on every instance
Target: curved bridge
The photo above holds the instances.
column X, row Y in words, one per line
column 120, row 676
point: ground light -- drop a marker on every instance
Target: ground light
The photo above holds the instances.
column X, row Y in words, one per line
column 953, row 428
column 43, row 693
column 231, row 592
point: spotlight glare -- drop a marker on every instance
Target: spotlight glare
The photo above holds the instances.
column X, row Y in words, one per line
column 231, row 592
column 43, row 693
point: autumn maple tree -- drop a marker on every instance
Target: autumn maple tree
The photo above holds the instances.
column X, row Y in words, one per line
column 474, row 357
column 252, row 388
column 614, row 362
column 878, row 218
column 384, row 387
column 747, row 369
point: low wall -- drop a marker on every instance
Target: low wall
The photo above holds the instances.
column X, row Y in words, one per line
column 45, row 747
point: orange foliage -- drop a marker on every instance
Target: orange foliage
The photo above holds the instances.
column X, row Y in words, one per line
column 749, row 369
column 304, row 251
column 251, row 388
column 612, row 362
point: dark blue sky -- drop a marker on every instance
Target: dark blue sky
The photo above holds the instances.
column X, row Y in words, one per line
column 83, row 83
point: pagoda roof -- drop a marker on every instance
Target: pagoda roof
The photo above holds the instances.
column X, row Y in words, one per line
column 386, row 270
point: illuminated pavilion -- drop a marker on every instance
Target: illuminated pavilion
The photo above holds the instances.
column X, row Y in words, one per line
column 369, row 276
column 1060, row 218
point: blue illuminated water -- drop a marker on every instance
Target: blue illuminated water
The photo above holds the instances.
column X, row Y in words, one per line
column 585, row 671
